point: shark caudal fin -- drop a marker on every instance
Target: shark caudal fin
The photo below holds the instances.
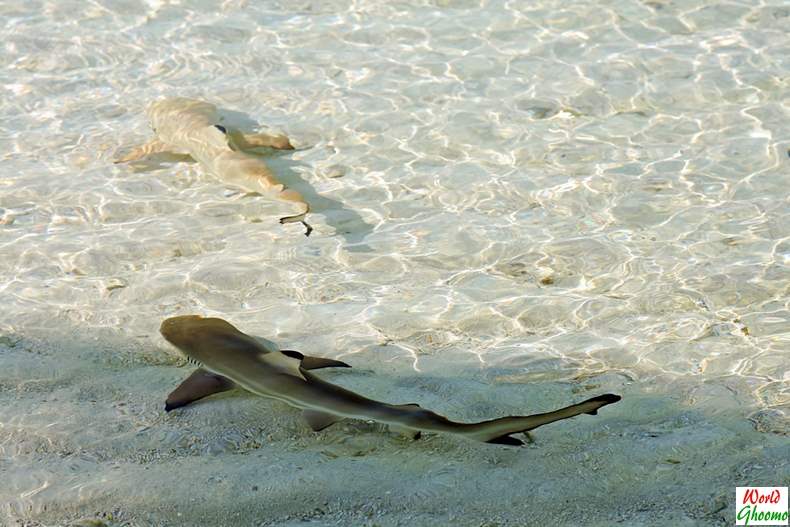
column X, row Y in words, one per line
column 498, row 431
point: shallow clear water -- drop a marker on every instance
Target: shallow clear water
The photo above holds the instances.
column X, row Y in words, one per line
column 516, row 205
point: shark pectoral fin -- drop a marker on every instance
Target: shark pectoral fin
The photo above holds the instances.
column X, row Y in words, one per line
column 152, row 147
column 409, row 433
column 280, row 142
column 200, row 384
column 288, row 361
column 318, row 420
column 315, row 363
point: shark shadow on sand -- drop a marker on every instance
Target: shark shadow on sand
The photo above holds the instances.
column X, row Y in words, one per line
column 347, row 223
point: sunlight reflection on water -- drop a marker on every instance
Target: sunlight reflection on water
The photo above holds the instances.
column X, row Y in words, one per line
column 546, row 192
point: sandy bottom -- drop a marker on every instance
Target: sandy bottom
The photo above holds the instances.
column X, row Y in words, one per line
column 517, row 205
column 91, row 442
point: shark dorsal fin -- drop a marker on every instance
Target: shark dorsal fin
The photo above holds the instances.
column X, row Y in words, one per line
column 293, row 354
column 314, row 363
column 289, row 361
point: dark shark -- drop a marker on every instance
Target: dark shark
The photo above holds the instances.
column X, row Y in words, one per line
column 228, row 358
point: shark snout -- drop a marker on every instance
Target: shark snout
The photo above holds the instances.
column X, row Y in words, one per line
column 176, row 328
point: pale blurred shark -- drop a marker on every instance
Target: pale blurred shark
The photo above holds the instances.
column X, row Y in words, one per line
column 228, row 358
column 193, row 128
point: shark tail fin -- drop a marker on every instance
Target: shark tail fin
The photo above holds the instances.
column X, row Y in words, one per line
column 605, row 399
column 498, row 431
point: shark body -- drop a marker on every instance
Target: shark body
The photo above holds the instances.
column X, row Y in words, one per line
column 193, row 128
column 229, row 358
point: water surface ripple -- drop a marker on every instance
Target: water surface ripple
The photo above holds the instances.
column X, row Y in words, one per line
column 516, row 204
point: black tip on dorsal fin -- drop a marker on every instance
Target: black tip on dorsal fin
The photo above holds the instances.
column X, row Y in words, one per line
column 314, row 363
column 221, row 128
column 293, row 354
column 506, row 440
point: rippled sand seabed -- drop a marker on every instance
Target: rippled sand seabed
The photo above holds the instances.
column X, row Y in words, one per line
column 517, row 205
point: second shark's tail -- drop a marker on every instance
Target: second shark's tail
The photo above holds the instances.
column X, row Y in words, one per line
column 293, row 196
column 499, row 430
